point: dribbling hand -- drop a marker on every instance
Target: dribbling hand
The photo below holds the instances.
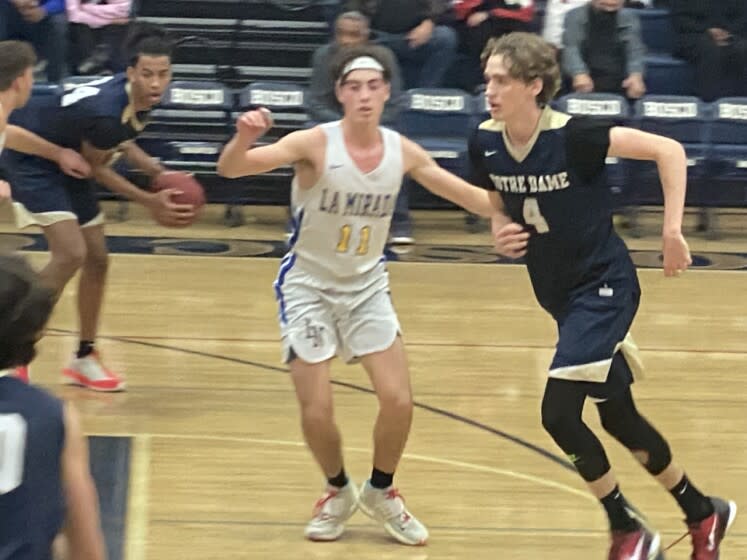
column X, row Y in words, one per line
column 511, row 241
column 169, row 213
column 254, row 124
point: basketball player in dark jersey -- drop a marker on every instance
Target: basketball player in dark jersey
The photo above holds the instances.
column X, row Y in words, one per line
column 17, row 60
column 45, row 482
column 549, row 170
column 100, row 120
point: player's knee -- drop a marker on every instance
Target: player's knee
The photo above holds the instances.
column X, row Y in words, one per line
column 647, row 445
column 70, row 257
column 396, row 404
column 97, row 261
column 317, row 414
column 559, row 419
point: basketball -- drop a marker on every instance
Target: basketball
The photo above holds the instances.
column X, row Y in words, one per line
column 191, row 191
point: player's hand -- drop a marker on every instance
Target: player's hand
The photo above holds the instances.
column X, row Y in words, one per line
column 254, row 124
column 4, row 191
column 511, row 241
column 676, row 254
column 167, row 212
column 73, row 164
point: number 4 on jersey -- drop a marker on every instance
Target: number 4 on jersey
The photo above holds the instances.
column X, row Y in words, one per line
column 533, row 216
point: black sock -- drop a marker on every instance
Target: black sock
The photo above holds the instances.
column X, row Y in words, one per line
column 340, row 480
column 617, row 511
column 695, row 505
column 85, row 348
column 380, row 479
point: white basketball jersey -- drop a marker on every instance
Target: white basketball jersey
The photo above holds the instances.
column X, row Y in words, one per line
column 342, row 222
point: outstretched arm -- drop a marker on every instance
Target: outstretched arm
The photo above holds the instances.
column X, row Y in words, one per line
column 70, row 161
column 239, row 159
column 436, row 179
column 670, row 158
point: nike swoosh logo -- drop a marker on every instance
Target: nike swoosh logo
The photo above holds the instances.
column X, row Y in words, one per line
column 683, row 490
column 638, row 549
column 489, row 153
column 712, row 536
column 335, row 166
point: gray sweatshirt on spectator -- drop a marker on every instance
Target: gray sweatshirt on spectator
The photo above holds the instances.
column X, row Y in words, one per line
column 323, row 105
column 574, row 34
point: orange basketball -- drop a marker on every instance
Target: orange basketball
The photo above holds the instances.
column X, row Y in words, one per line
column 191, row 190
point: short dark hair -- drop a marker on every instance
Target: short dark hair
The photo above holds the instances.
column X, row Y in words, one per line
column 528, row 57
column 15, row 58
column 147, row 39
column 25, row 306
column 349, row 54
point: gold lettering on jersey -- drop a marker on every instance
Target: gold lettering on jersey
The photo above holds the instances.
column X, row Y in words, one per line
column 522, row 184
column 367, row 205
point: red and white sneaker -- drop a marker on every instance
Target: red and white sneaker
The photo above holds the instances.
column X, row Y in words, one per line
column 91, row 373
column 331, row 512
column 635, row 545
column 22, row 373
column 388, row 507
column 707, row 534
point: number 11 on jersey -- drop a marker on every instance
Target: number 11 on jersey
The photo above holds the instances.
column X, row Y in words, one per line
column 344, row 242
column 533, row 216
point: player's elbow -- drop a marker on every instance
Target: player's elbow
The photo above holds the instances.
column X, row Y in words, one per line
column 227, row 169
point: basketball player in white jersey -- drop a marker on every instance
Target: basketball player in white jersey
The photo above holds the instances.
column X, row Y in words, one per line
column 333, row 287
column 17, row 60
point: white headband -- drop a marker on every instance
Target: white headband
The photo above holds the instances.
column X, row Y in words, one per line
column 362, row 63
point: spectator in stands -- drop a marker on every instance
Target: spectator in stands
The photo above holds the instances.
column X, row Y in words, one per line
column 352, row 29
column 43, row 24
column 713, row 37
column 424, row 49
column 603, row 49
column 479, row 20
column 555, row 12
column 97, row 31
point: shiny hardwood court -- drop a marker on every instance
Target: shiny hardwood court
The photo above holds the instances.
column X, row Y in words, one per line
column 218, row 469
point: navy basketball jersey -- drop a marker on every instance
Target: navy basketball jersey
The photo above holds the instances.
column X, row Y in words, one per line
column 100, row 111
column 32, row 436
column 556, row 187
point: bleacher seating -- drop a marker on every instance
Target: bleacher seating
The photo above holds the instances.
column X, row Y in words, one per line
column 728, row 156
column 257, row 52
column 609, row 107
column 439, row 120
column 684, row 119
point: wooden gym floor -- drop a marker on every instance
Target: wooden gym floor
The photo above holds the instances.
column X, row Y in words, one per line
column 217, row 467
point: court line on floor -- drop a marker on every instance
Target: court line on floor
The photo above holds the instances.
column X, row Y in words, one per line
column 139, row 495
column 409, row 343
column 558, row 460
column 414, row 456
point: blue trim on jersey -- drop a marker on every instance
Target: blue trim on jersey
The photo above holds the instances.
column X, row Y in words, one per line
column 285, row 265
column 296, row 221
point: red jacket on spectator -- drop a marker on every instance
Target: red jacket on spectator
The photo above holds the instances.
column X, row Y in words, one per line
column 520, row 10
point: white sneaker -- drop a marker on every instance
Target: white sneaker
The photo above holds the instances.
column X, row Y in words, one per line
column 90, row 372
column 388, row 507
column 331, row 512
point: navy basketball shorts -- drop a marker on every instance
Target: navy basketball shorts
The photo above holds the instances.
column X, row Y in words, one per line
column 43, row 195
column 593, row 329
